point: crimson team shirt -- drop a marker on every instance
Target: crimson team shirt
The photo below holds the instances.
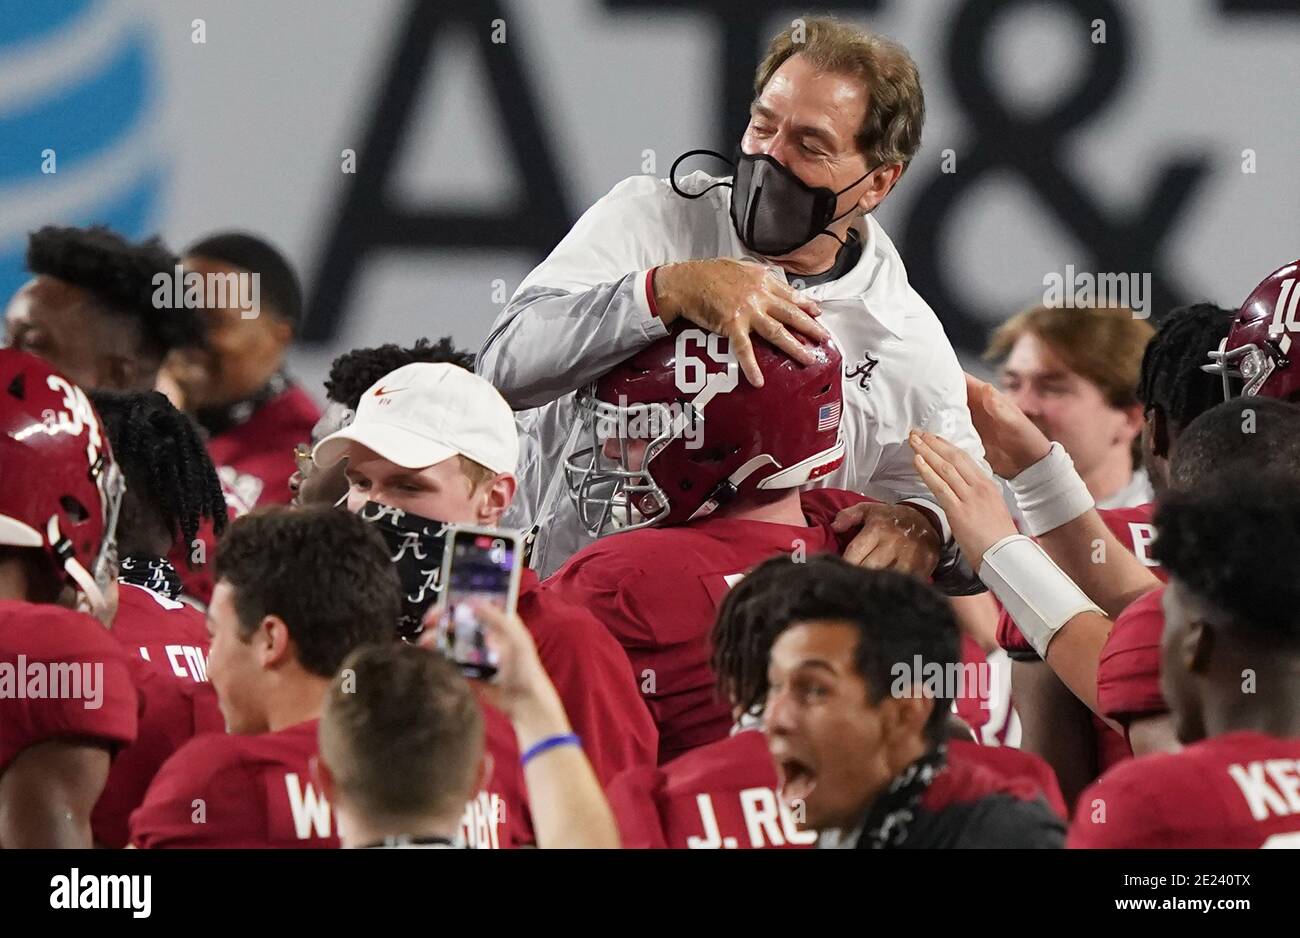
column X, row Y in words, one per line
column 497, row 818
column 252, row 791
column 173, row 711
column 658, row 591
column 722, row 795
column 172, row 636
column 254, row 456
column 1236, row 791
column 1010, row 763
column 970, row 805
column 61, row 676
column 1128, row 675
column 593, row 677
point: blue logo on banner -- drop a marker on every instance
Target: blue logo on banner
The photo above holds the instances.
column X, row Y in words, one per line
column 86, row 115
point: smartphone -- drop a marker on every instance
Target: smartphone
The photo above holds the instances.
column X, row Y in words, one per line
column 478, row 565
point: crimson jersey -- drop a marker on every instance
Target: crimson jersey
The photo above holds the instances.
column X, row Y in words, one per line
column 592, row 675
column 173, row 711
column 1128, row 675
column 1010, row 763
column 254, row 458
column 497, row 817
column 972, row 805
column 1236, row 791
column 722, row 795
column 222, row 790
column 61, row 676
column 658, row 591
column 170, row 635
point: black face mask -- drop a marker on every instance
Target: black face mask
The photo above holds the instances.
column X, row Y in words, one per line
column 415, row 545
column 773, row 210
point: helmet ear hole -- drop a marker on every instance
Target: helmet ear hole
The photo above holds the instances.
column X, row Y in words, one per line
column 824, row 389
column 76, row 511
column 18, row 386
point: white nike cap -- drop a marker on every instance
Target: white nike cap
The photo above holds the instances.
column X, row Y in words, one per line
column 426, row 412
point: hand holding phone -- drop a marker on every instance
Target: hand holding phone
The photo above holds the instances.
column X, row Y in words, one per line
column 481, row 567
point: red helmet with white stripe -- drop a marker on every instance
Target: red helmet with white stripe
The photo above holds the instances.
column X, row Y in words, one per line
column 676, row 430
column 1261, row 355
column 61, row 489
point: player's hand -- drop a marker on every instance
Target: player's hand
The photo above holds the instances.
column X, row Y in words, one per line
column 893, row 537
column 734, row 298
column 1012, row 443
column 972, row 501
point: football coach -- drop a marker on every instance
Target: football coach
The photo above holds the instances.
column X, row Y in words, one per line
column 786, row 244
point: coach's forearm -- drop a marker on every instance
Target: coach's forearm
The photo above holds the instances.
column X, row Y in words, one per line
column 548, row 342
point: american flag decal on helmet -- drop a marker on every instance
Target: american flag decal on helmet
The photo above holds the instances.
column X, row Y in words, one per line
column 828, row 416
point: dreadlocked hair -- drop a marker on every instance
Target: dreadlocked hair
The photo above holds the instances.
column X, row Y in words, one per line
column 164, row 461
column 1171, row 379
column 749, row 621
column 120, row 276
column 356, row 371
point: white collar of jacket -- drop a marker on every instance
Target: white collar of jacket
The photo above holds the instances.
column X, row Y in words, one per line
column 879, row 272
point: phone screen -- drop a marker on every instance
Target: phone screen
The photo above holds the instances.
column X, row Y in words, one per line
column 480, row 569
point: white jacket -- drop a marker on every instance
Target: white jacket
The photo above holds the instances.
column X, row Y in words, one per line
column 584, row 309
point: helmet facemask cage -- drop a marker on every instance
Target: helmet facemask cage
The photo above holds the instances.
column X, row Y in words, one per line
column 95, row 582
column 1249, row 366
column 613, row 494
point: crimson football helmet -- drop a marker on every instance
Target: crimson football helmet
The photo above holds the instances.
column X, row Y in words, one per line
column 675, row 431
column 62, row 489
column 1259, row 357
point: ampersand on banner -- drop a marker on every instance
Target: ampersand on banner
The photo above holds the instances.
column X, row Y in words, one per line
column 1032, row 148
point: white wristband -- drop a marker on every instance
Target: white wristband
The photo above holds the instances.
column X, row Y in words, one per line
column 1050, row 493
column 1037, row 594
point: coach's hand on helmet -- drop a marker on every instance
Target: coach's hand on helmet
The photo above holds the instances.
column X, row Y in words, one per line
column 969, row 497
column 1012, row 443
column 893, row 537
column 734, row 298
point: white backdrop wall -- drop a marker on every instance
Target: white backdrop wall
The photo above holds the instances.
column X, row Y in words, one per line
column 503, row 143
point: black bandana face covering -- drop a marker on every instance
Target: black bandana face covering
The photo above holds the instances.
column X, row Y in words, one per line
column 773, row 210
column 153, row 573
column 415, row 546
